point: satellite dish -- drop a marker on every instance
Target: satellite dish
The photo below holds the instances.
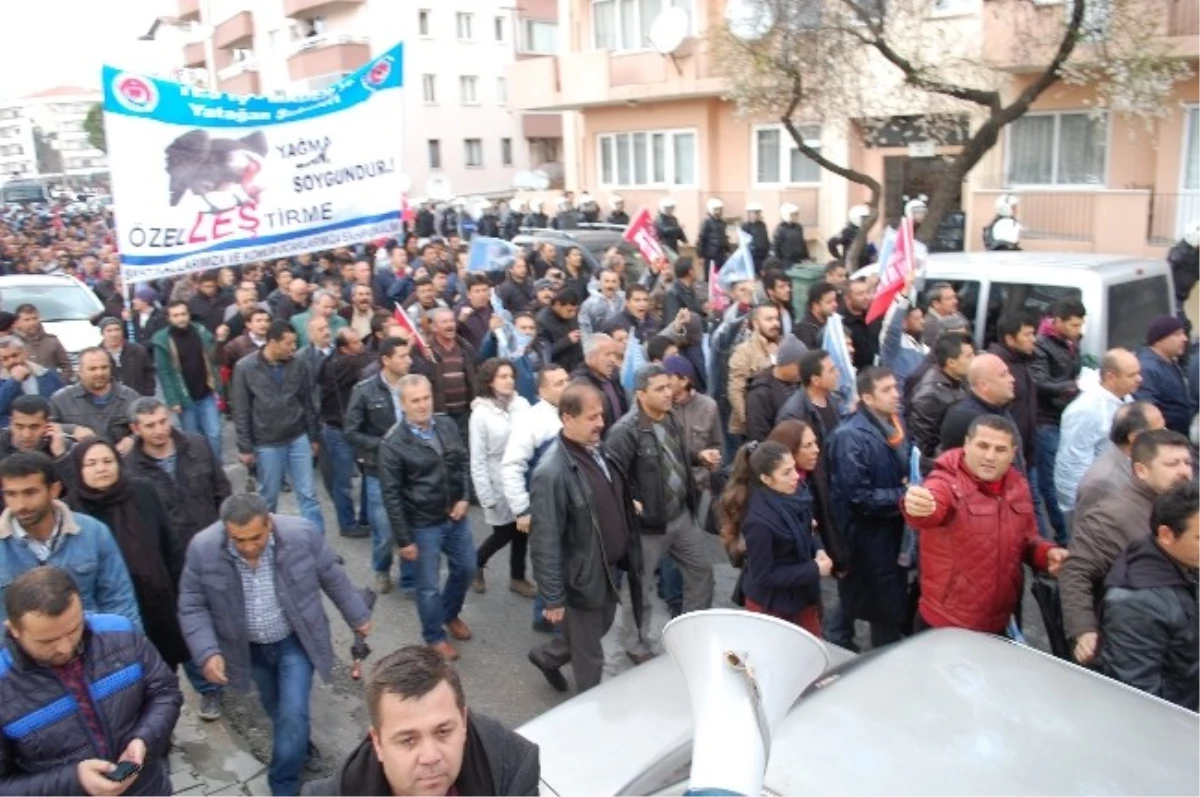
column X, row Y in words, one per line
column 668, row 30
column 749, row 20
column 540, row 180
column 523, row 180
column 438, row 189
column 405, row 183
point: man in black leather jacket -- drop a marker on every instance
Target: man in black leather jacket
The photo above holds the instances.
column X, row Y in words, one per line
column 582, row 530
column 651, row 453
column 423, row 477
column 372, row 410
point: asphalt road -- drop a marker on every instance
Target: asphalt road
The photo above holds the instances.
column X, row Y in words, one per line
column 497, row 678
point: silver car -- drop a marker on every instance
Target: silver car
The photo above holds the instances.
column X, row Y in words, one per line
column 945, row 712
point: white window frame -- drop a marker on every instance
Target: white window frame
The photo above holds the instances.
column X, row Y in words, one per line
column 1189, row 198
column 464, row 23
column 786, row 145
column 525, row 45
column 1104, row 170
column 425, row 23
column 429, row 88
column 506, row 151
column 639, row 24
column 668, row 166
column 467, row 142
column 465, row 82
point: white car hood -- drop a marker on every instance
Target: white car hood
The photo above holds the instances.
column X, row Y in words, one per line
column 74, row 335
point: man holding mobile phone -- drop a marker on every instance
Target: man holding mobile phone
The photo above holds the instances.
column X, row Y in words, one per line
column 87, row 706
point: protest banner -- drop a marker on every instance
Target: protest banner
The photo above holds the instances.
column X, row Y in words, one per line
column 640, row 233
column 203, row 179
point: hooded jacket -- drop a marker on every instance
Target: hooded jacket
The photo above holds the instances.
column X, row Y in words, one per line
column 973, row 545
column 493, row 753
column 1150, row 634
column 766, row 395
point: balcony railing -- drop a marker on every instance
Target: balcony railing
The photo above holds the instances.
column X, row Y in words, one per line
column 1169, row 215
column 325, row 40
column 237, row 68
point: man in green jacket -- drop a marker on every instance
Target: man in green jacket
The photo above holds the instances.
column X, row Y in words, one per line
column 324, row 304
column 183, row 355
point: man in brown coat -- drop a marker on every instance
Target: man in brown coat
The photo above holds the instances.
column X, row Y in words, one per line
column 749, row 358
column 1161, row 459
column 40, row 346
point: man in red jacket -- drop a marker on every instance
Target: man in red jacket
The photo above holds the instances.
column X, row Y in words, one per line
column 977, row 525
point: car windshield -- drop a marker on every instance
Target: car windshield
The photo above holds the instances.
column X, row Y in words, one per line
column 54, row 302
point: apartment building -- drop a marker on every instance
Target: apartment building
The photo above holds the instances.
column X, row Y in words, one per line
column 651, row 124
column 57, row 114
column 457, row 124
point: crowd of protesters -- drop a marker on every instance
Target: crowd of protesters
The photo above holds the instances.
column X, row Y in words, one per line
column 603, row 419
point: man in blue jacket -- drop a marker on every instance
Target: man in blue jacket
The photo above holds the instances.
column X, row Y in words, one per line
column 23, row 377
column 79, row 692
column 1163, row 383
column 37, row 529
column 250, row 609
column 869, row 465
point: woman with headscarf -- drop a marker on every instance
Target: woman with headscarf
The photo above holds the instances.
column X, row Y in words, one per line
column 133, row 512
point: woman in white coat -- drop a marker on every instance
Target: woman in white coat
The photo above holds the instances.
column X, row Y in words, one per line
column 491, row 422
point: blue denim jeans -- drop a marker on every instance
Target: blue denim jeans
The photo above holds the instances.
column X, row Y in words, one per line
column 195, row 677
column 438, row 607
column 295, row 458
column 204, row 418
column 337, row 466
column 382, row 543
column 283, row 674
column 1047, row 452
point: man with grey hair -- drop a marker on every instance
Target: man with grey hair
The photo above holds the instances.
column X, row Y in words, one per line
column 423, row 475
column 324, row 305
column 250, row 609
column 601, row 362
column 22, row 377
column 652, row 455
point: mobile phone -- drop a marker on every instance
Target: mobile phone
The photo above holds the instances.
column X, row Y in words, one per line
column 124, row 771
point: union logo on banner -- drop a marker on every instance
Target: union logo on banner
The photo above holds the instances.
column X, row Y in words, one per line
column 378, row 74
column 135, row 92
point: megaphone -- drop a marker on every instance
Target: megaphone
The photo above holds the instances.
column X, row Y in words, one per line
column 743, row 672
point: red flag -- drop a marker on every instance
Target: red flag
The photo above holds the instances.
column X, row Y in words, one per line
column 640, row 233
column 892, row 273
column 403, row 320
column 407, row 214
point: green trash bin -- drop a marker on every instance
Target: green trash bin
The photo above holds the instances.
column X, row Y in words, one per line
column 803, row 276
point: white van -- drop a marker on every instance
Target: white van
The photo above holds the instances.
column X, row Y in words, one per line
column 1122, row 294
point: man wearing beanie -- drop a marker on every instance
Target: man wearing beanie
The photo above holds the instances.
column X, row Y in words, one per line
column 132, row 364
column 1163, row 383
column 770, row 388
column 147, row 317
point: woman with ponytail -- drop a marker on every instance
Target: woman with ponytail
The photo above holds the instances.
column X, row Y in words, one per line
column 766, row 516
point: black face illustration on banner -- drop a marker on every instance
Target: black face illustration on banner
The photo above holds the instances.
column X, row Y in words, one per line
column 222, row 173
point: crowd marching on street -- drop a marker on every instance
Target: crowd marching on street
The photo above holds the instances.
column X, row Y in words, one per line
column 605, row 421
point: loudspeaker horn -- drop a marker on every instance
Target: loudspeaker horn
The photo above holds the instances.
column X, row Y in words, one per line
column 743, row 672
